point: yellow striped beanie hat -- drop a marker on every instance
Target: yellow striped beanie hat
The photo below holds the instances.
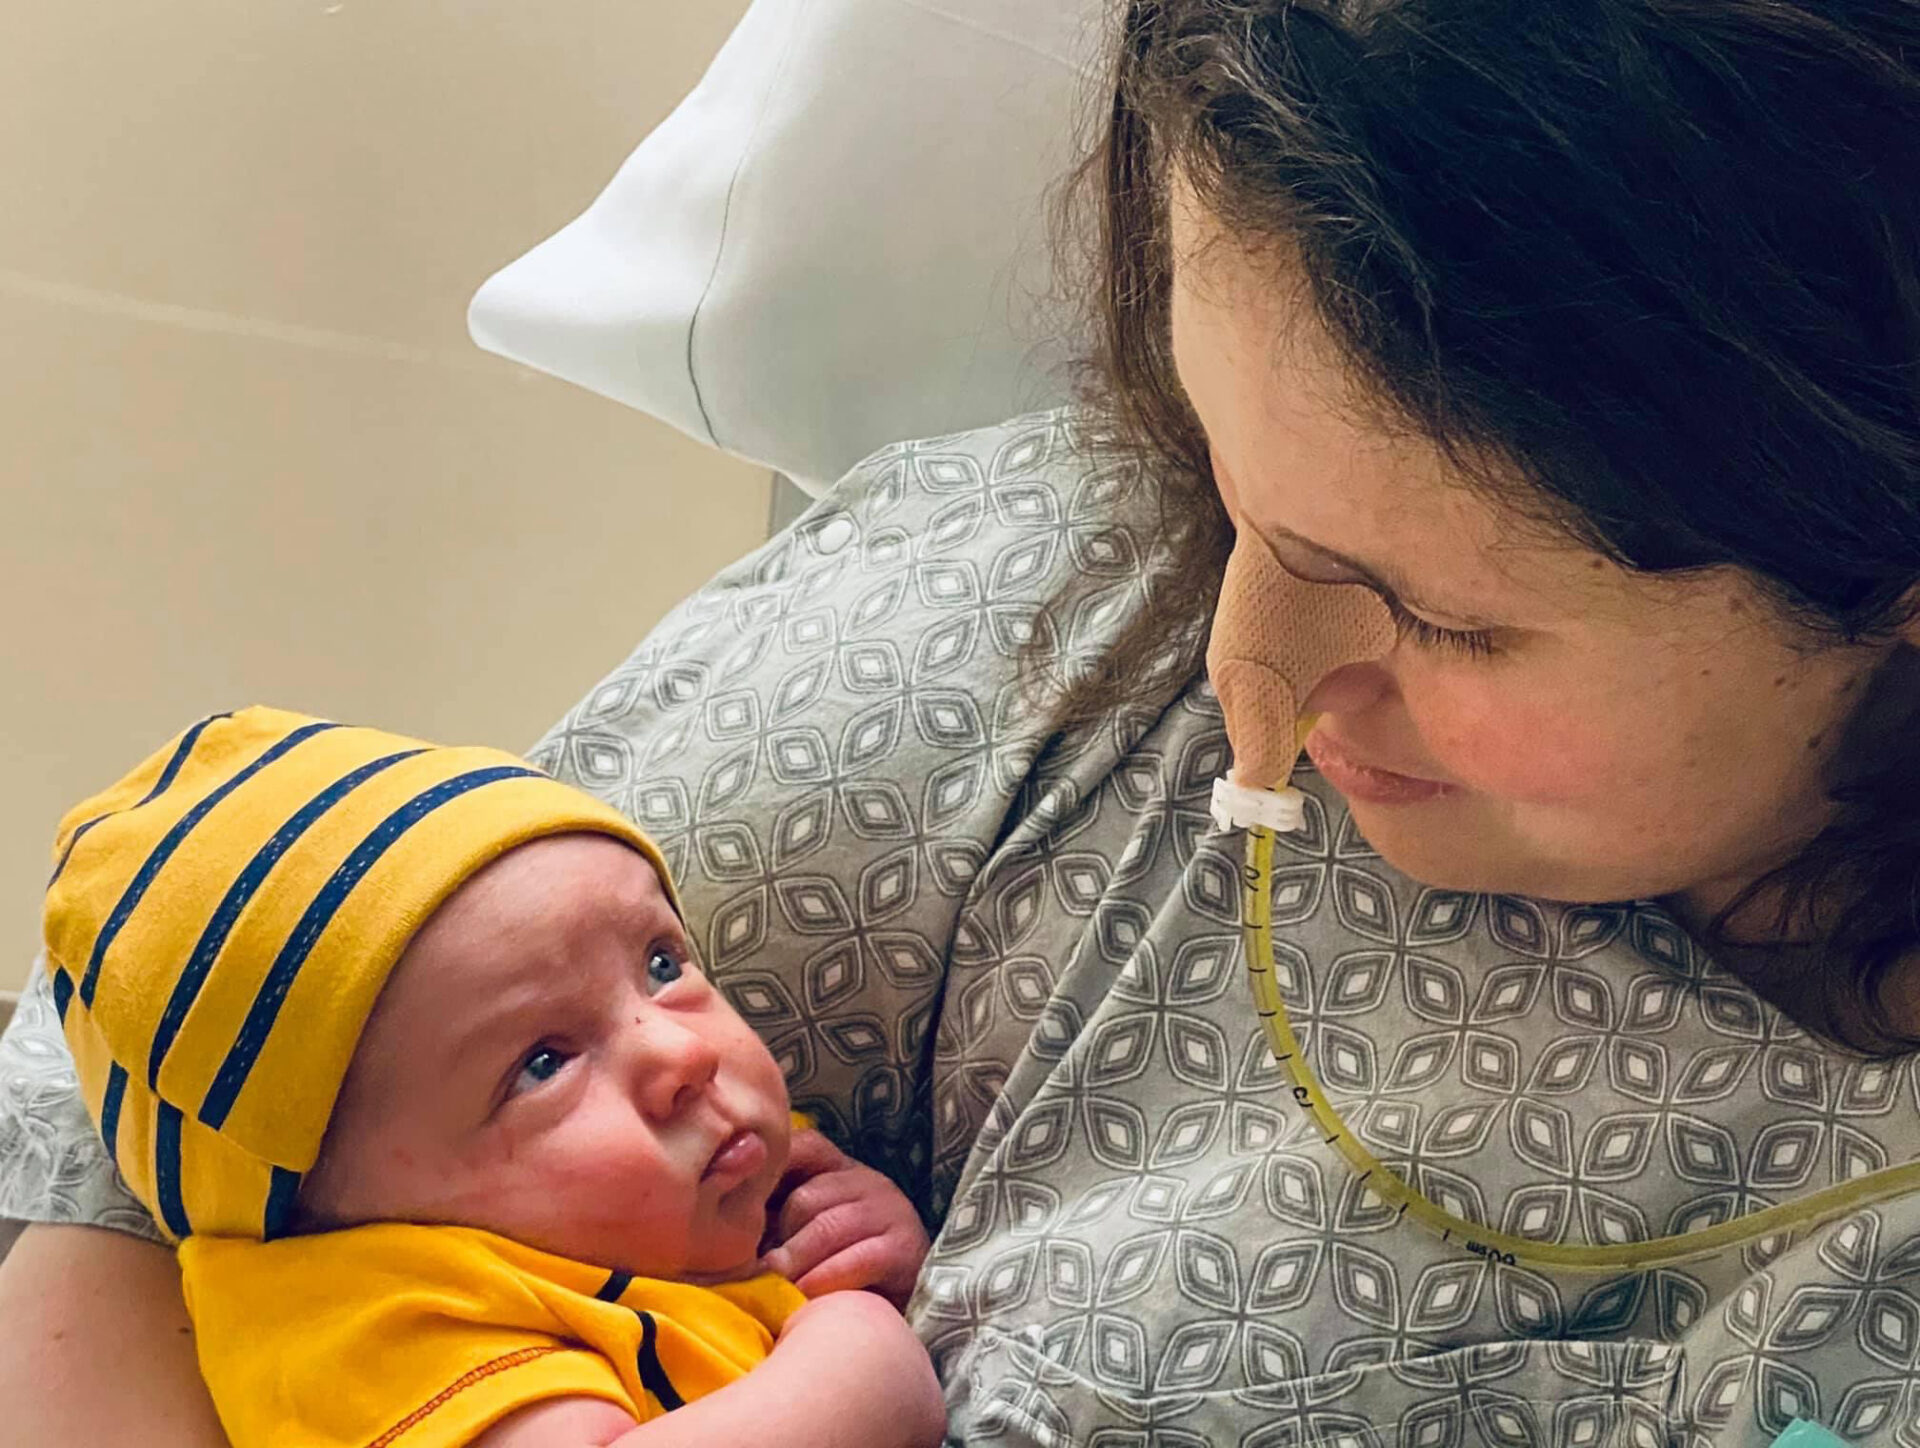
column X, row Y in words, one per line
column 220, row 922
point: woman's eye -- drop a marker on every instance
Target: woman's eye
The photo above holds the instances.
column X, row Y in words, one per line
column 1477, row 644
column 541, row 1066
column 665, row 965
column 1307, row 566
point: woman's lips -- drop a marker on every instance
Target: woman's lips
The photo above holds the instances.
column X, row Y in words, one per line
column 738, row 1157
column 1366, row 783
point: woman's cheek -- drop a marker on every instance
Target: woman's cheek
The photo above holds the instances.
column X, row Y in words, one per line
column 1524, row 750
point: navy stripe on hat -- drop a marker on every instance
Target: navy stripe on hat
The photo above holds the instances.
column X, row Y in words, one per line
column 252, row 1037
column 167, row 776
column 166, row 1171
column 282, row 1192
column 110, row 1110
column 193, row 976
column 89, row 983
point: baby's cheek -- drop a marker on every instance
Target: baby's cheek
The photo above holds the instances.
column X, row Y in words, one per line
column 749, row 1060
column 594, row 1164
column 575, row 1203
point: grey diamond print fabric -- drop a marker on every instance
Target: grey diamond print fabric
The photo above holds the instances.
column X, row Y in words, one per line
column 1003, row 962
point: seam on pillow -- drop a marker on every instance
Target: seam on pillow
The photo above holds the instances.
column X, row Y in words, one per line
column 726, row 212
column 992, row 32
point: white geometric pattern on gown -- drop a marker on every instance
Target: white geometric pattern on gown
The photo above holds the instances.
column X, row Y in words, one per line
column 1004, row 964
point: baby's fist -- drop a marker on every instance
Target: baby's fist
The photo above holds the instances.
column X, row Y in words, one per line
column 837, row 1225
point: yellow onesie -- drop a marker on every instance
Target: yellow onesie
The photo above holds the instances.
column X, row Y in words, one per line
column 399, row 1336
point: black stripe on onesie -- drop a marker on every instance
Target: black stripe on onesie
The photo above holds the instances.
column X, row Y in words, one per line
column 653, row 1376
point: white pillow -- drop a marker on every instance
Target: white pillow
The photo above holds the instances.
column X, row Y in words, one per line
column 836, row 241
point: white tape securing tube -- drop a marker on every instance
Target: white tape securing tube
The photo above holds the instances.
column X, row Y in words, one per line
column 1237, row 807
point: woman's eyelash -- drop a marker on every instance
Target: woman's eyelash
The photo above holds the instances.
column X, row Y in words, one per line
column 1477, row 644
column 1472, row 644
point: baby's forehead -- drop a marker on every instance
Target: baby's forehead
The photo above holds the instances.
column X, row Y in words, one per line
column 570, row 882
column 539, row 926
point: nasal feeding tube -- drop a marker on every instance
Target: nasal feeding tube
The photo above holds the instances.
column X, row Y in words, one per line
column 1275, row 637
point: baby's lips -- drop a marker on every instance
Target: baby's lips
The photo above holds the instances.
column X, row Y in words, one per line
column 1261, row 721
column 742, row 1154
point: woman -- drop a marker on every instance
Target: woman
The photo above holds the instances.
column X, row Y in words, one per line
column 1585, row 336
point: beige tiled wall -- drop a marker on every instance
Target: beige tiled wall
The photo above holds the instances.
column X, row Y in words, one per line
column 246, row 450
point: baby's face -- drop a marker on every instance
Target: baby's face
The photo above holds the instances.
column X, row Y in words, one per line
column 547, row 1063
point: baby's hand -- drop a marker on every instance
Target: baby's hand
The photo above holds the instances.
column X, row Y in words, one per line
column 837, row 1225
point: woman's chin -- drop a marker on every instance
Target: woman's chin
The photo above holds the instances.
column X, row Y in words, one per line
column 1439, row 868
column 1446, row 852
column 1433, row 845
column 1424, row 841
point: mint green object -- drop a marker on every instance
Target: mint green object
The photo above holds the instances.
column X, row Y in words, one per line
column 1802, row 1434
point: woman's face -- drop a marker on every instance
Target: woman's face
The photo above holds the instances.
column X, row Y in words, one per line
column 1548, row 723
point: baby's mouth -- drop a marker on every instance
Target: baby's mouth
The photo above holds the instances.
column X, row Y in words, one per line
column 736, row 1159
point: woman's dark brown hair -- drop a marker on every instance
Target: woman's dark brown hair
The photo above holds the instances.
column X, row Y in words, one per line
column 1658, row 259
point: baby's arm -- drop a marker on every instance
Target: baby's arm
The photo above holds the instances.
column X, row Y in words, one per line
column 837, row 1224
column 846, row 1371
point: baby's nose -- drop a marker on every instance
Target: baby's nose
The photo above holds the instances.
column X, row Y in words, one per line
column 677, row 1067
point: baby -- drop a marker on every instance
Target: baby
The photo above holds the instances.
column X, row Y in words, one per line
column 408, row 1050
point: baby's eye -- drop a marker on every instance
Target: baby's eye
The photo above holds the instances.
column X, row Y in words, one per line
column 542, row 1064
column 665, row 965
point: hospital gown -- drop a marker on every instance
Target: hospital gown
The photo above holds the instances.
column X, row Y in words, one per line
column 1003, row 962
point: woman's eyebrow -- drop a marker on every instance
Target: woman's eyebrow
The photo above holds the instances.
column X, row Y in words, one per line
column 1382, row 580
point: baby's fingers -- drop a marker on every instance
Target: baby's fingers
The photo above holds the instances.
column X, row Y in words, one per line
column 809, row 1153
column 815, row 1197
column 848, row 1247
column 816, row 1236
column 865, row 1263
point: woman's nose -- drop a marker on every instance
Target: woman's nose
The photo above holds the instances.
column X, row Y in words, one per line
column 675, row 1065
column 1350, row 689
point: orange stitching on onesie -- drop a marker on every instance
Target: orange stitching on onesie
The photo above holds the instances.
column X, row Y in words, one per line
column 485, row 1370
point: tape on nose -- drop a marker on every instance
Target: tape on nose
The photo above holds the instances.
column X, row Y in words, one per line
column 1274, row 638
